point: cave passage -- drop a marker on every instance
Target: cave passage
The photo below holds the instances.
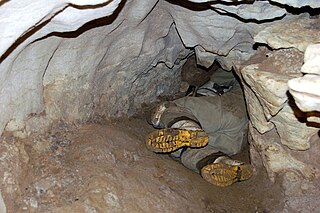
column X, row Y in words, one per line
column 97, row 99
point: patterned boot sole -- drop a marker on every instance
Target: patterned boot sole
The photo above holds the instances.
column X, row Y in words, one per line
column 170, row 139
column 221, row 174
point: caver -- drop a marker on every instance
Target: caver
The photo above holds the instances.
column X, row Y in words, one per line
column 202, row 131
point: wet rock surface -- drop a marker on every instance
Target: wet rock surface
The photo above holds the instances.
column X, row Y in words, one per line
column 107, row 168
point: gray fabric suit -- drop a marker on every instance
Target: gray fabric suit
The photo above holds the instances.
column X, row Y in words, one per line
column 223, row 118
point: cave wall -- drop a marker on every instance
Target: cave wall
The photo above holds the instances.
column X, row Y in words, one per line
column 101, row 69
column 76, row 60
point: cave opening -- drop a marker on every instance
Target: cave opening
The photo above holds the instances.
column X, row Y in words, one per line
column 79, row 80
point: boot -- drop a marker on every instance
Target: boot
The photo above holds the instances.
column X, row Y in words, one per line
column 170, row 139
column 182, row 133
column 224, row 171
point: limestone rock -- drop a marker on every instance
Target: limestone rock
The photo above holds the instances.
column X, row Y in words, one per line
column 232, row 1
column 204, row 58
column 98, row 63
column 301, row 178
column 258, row 10
column 287, row 62
column 23, row 13
column 306, row 90
column 268, row 77
column 270, row 88
column 26, row 66
column 99, row 70
column 266, row 68
column 297, row 33
column 267, row 102
column 221, row 36
column 293, row 128
column 300, row 3
column 256, row 111
column 312, row 60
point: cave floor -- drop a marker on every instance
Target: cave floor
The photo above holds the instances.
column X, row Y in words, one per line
column 107, row 168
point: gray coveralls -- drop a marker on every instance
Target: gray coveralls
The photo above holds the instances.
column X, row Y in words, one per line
column 223, row 118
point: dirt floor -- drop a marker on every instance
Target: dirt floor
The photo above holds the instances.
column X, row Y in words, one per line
column 106, row 167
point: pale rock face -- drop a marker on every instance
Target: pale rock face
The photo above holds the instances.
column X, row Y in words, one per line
column 216, row 34
column 258, row 10
column 216, row 42
column 101, row 72
column 293, row 132
column 270, row 88
column 256, row 111
column 21, row 91
column 101, row 69
column 306, row 92
column 22, row 12
column 278, row 127
column 299, row 3
column 311, row 60
column 306, row 89
column 297, row 33
column 268, row 82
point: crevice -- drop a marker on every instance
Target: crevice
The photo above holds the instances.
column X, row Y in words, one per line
column 107, row 20
column 148, row 13
column 106, row 36
column 93, row 6
column 48, row 63
column 297, row 11
column 45, row 71
column 251, row 20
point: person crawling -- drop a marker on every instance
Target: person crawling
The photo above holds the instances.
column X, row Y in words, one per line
column 204, row 130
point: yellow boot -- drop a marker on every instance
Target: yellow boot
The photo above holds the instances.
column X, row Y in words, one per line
column 224, row 171
column 171, row 139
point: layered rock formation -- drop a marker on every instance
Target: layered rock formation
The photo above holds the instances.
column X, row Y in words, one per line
column 306, row 90
column 80, row 60
column 100, row 69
